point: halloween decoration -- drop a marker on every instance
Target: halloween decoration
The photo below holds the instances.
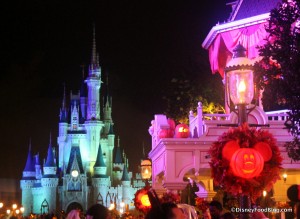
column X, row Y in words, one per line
column 245, row 161
column 182, row 131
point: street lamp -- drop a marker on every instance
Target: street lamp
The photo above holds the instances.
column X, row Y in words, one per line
column 146, row 170
column 284, row 177
column 240, row 89
column 239, row 82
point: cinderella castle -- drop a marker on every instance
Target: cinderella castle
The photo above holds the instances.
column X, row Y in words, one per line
column 89, row 167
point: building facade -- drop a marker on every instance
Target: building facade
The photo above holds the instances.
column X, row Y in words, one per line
column 176, row 159
column 90, row 168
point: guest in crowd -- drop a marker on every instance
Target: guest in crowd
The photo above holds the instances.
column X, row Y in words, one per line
column 227, row 215
column 97, row 211
column 74, row 214
column 167, row 210
column 215, row 209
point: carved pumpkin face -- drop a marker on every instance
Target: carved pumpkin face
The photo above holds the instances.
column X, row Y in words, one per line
column 182, row 131
column 247, row 163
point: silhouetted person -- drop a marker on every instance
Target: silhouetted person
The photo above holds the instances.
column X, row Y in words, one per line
column 228, row 215
column 215, row 209
column 97, row 211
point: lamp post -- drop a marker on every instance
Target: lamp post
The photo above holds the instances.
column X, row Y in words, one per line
column 146, row 170
column 239, row 82
column 240, row 89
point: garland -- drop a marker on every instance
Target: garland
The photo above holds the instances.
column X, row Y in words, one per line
column 246, row 138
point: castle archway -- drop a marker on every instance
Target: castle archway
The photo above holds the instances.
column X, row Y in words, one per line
column 74, row 205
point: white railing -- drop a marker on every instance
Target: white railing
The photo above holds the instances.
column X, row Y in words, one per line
column 278, row 115
column 216, row 116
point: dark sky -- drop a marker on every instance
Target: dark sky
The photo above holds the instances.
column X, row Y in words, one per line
column 142, row 45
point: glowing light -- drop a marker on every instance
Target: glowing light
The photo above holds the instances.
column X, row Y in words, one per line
column 121, row 211
column 264, row 193
column 8, row 211
column 1, row 204
column 14, row 206
column 145, row 200
column 242, row 86
column 17, row 211
column 74, row 173
column 122, row 204
column 112, row 206
column 22, row 209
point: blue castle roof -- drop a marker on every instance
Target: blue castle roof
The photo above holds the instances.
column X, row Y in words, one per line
column 50, row 162
column 75, row 154
column 30, row 164
column 118, row 157
column 99, row 160
column 125, row 176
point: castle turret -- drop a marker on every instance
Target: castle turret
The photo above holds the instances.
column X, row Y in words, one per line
column 101, row 181
column 118, row 165
column 83, row 101
column 74, row 117
column 27, row 183
column 126, row 188
column 111, row 145
column 38, row 167
column 49, row 180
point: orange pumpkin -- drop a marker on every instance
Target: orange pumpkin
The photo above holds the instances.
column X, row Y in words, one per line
column 247, row 163
column 166, row 133
column 182, row 131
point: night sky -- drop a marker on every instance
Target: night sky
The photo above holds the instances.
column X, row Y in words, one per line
column 142, row 45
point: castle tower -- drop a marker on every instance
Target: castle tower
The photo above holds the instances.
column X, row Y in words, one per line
column 118, row 165
column 49, row 180
column 93, row 82
column 38, row 167
column 93, row 124
column 101, row 181
column 74, row 117
column 111, row 145
column 126, row 186
column 27, row 182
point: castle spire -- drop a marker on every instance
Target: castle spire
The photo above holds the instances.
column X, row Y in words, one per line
column 94, row 60
column 64, row 98
column 125, row 176
column 118, row 157
column 63, row 111
column 50, row 156
column 29, row 167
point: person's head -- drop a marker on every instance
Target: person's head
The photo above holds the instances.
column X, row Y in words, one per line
column 74, row 214
column 206, row 214
column 228, row 215
column 215, row 209
column 167, row 210
column 97, row 211
column 297, row 210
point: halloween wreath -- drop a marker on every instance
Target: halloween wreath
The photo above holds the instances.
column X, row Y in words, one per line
column 141, row 200
column 245, row 161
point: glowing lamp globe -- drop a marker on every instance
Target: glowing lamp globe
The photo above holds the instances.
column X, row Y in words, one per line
column 247, row 163
column 239, row 77
column 146, row 169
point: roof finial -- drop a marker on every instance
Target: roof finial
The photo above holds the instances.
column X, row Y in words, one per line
column 82, row 69
column 50, row 143
column 94, row 52
column 64, row 97
column 30, row 144
column 143, row 150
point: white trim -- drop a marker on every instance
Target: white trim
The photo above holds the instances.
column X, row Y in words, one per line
column 232, row 26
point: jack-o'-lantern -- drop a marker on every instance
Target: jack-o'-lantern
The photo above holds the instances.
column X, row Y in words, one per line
column 182, row 131
column 247, row 163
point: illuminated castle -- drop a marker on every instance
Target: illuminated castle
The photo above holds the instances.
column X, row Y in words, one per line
column 90, row 168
